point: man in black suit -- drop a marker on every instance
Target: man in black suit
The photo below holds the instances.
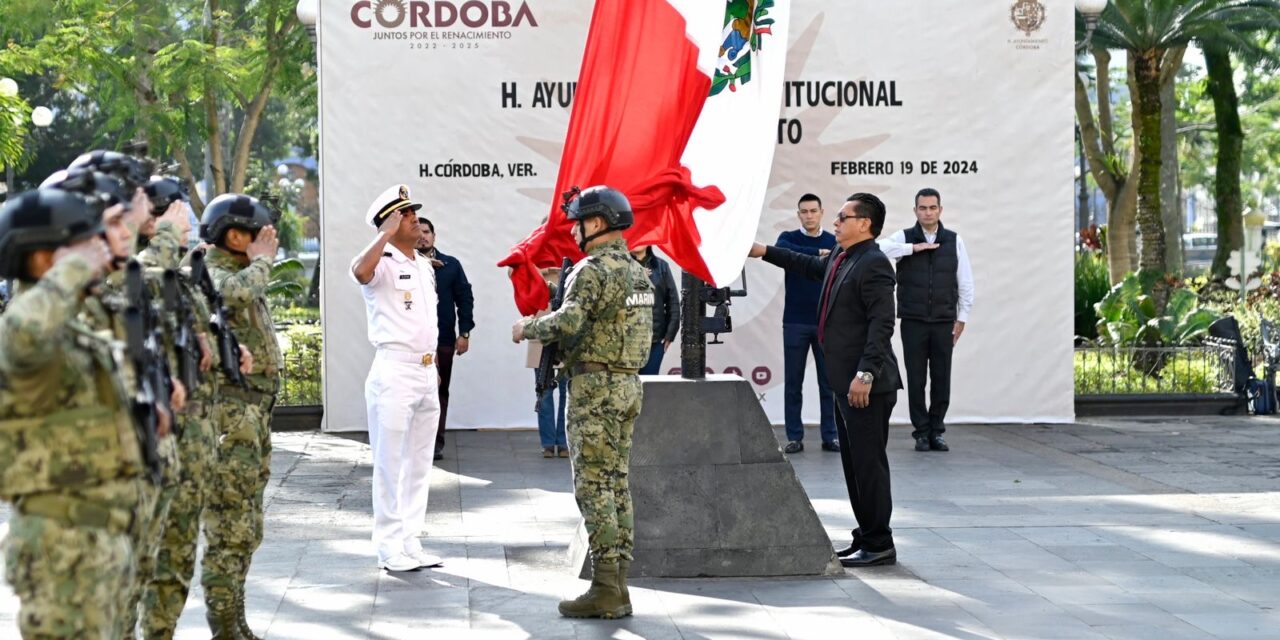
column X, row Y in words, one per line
column 855, row 325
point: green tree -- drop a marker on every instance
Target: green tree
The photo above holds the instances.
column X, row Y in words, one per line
column 192, row 78
column 1152, row 33
column 1221, row 86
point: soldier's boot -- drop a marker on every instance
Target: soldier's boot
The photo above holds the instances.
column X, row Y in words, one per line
column 603, row 598
column 624, row 566
column 242, row 624
column 222, row 622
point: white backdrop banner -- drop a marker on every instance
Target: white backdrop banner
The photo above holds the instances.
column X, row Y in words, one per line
column 468, row 103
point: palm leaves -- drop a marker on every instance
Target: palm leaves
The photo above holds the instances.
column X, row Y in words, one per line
column 1144, row 25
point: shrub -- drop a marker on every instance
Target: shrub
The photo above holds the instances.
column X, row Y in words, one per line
column 1127, row 316
column 301, row 345
column 1092, row 284
column 1102, row 373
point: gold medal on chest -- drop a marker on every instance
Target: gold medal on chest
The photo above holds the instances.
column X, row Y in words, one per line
column 408, row 301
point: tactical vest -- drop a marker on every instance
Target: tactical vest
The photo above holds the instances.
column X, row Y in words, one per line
column 75, row 447
column 621, row 334
column 928, row 288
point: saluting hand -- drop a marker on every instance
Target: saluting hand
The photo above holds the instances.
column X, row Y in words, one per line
column 265, row 244
column 94, row 251
column 177, row 214
column 391, row 224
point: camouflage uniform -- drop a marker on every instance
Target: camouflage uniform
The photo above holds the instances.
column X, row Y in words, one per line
column 106, row 314
column 165, row 592
column 70, row 460
column 605, row 324
column 234, row 513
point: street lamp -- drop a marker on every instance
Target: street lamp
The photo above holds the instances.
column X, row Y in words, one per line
column 308, row 13
column 41, row 117
column 1090, row 10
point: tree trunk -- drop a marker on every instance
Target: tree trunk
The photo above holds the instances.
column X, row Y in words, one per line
column 1171, row 206
column 1226, row 183
column 1147, row 143
column 1122, row 242
column 1146, row 116
column 1102, row 61
column 1118, row 189
column 213, row 148
column 244, row 140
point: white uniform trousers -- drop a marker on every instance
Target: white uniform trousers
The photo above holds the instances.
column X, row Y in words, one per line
column 403, row 404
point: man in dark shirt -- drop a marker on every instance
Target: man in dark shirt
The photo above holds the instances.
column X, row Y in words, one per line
column 454, row 312
column 666, row 307
column 800, row 328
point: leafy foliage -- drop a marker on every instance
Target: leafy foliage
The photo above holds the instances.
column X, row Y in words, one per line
column 1128, row 315
column 1092, row 284
column 168, row 72
column 302, row 346
column 288, row 280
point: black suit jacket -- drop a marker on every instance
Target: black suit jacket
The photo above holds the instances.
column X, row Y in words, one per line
column 860, row 313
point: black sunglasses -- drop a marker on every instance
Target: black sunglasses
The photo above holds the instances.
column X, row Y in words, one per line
column 842, row 218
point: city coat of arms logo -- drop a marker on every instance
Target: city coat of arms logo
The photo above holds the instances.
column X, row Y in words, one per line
column 1027, row 16
column 746, row 22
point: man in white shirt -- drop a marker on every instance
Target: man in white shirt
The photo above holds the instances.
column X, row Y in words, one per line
column 402, row 390
column 935, row 296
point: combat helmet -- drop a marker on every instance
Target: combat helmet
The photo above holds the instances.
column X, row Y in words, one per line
column 43, row 219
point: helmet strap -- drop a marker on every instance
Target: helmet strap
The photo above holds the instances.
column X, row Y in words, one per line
column 582, row 231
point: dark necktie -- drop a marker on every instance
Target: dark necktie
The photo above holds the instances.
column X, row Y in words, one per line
column 826, row 293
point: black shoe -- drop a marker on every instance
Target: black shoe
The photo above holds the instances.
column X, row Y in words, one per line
column 831, row 446
column 937, row 444
column 865, row 558
column 922, row 444
column 439, row 454
column 795, row 446
column 853, row 546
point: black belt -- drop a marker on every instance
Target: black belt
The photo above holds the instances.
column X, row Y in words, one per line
column 597, row 367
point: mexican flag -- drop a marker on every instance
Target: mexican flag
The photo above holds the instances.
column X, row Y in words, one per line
column 677, row 107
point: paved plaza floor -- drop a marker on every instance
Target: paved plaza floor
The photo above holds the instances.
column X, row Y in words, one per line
column 1166, row 529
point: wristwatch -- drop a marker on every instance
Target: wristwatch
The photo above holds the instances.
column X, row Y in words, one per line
column 865, row 377
column 466, row 335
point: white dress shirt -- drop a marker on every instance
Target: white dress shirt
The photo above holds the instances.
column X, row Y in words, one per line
column 400, row 303
column 896, row 246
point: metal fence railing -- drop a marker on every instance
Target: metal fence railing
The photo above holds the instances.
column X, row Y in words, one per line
column 1194, row 370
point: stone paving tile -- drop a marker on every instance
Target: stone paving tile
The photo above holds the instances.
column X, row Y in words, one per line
column 1163, row 529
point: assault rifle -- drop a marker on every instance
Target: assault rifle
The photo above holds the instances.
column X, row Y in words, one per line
column 151, row 369
column 228, row 346
column 185, row 344
column 545, row 375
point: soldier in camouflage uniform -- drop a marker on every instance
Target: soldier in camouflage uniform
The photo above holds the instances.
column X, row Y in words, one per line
column 166, row 589
column 244, row 238
column 604, row 325
column 106, row 312
column 70, row 453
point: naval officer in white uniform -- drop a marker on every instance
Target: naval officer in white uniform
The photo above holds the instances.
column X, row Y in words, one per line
column 402, row 391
